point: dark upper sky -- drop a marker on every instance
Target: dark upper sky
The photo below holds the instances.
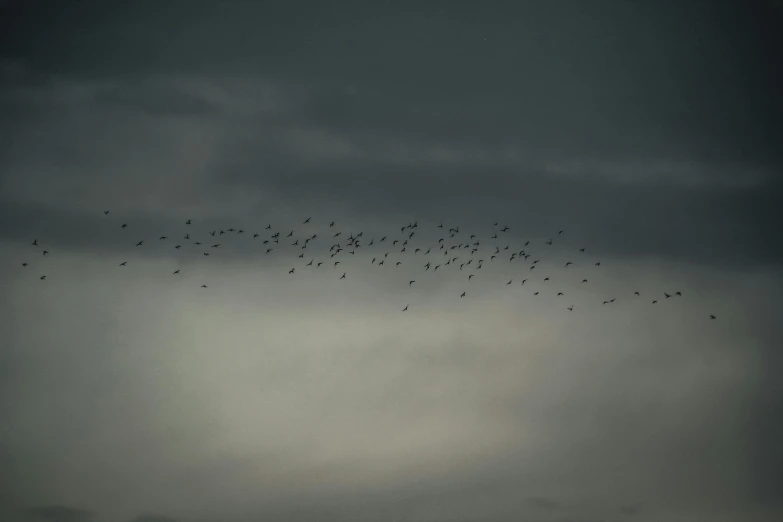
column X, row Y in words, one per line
column 650, row 132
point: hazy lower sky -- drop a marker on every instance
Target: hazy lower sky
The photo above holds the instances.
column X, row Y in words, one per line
column 650, row 134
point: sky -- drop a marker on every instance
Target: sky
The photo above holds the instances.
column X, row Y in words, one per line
column 649, row 133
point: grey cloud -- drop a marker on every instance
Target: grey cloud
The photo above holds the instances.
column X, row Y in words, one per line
column 59, row 514
column 543, row 502
column 650, row 135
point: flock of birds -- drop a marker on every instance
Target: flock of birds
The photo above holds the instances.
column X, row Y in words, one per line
column 454, row 249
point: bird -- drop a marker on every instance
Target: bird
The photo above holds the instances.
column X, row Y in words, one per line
column 24, row 264
column 123, row 263
column 560, row 293
column 140, row 242
column 162, row 237
column 411, row 282
column 291, row 271
column 581, row 249
column 187, row 222
column 463, row 294
column 598, row 264
column 568, row 263
column 175, row 272
column 584, row 280
column 636, row 293
column 667, row 295
column 203, row 286
column 509, row 282
column 343, row 276
column 655, row 301
column 404, row 309
column 45, row 252
column 43, row 277
column 571, row 307
column 678, row 294
column 35, row 242
column 124, row 225
column 712, row 316
column 105, row 212
column 306, row 221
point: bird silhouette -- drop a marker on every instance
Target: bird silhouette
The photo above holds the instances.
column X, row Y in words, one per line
column 291, row 271
column 140, row 242
column 712, row 316
column 343, row 276
column 105, row 212
column 123, row 263
column 404, row 309
column 43, row 277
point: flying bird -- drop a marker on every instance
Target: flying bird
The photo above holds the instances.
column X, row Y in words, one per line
column 343, row 276
column 306, row 221
column 123, row 263
column 106, row 212
column 404, row 309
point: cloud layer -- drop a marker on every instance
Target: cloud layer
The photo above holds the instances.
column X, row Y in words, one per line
column 648, row 135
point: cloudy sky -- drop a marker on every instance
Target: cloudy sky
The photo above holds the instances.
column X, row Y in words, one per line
column 649, row 135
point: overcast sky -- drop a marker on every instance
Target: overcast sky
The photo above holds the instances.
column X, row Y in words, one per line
column 650, row 135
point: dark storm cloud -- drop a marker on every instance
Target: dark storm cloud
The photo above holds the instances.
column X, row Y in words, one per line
column 154, row 101
column 696, row 80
